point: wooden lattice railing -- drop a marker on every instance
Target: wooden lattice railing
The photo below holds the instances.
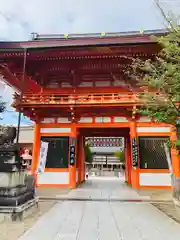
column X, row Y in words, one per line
column 85, row 99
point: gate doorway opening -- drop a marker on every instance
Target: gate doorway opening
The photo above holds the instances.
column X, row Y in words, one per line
column 104, row 145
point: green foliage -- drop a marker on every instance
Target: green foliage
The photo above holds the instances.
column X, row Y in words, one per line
column 178, row 143
column 120, row 156
column 174, row 145
column 159, row 78
column 88, row 154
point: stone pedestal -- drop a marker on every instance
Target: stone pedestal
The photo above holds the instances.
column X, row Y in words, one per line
column 12, row 179
column 16, row 187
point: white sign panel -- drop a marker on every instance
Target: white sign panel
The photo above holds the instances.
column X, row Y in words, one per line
column 48, row 120
column 42, row 156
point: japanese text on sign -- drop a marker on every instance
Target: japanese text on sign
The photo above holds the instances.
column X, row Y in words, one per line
column 134, row 153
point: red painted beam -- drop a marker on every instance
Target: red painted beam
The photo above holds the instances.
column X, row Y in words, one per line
column 85, row 112
column 86, row 90
column 83, row 52
column 73, row 64
column 32, row 85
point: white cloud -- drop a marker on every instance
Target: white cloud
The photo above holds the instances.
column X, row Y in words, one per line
column 21, row 17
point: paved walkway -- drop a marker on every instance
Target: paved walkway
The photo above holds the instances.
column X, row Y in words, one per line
column 96, row 220
column 104, row 188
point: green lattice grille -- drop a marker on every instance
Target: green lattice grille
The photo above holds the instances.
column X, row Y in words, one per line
column 152, row 153
column 58, row 152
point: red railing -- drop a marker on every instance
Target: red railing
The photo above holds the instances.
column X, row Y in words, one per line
column 85, row 99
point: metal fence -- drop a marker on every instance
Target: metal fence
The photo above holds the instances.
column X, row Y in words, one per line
column 152, row 153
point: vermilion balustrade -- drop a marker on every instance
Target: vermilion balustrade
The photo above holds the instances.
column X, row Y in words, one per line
column 85, row 99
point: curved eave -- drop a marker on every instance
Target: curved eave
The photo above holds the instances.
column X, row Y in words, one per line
column 121, row 39
column 45, row 37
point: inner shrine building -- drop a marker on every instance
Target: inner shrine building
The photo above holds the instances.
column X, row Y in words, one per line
column 74, row 87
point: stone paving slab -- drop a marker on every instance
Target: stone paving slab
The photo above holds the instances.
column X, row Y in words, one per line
column 105, row 189
column 103, row 220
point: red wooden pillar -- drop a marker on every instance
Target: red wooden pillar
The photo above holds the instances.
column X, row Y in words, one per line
column 175, row 156
column 176, row 168
column 127, row 149
column 36, row 148
column 81, row 160
column 126, row 159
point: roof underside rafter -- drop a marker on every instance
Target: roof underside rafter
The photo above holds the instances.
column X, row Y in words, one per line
column 77, row 63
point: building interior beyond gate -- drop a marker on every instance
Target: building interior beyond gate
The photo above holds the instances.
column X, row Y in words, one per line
column 104, row 143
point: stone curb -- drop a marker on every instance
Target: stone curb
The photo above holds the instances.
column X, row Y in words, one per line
column 145, row 199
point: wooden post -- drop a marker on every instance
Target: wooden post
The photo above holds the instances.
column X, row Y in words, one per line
column 128, row 164
column 83, row 167
column 176, row 169
column 174, row 155
column 36, row 148
column 81, row 160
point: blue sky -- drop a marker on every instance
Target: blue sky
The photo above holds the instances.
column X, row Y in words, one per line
column 19, row 18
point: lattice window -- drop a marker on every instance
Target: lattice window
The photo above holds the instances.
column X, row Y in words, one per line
column 152, row 153
column 58, row 150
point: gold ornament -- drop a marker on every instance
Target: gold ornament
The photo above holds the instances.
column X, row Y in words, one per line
column 142, row 31
column 66, row 35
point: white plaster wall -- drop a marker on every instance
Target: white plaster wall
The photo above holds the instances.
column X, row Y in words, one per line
column 144, row 119
column 53, row 178
column 155, row 179
column 102, row 119
column 48, row 120
column 106, row 119
column 63, row 120
column 55, row 130
column 120, row 119
column 86, row 120
column 153, row 129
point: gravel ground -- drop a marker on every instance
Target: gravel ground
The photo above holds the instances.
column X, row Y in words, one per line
column 51, row 192
column 169, row 209
column 156, row 194
column 13, row 230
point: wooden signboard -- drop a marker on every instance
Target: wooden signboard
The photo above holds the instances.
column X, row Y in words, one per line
column 72, row 156
column 134, row 153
